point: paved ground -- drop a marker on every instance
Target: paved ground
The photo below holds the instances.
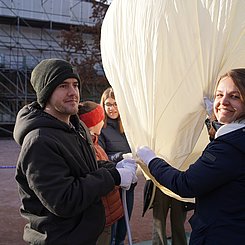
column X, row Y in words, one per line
column 11, row 223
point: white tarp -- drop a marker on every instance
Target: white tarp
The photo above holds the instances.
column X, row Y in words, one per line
column 162, row 57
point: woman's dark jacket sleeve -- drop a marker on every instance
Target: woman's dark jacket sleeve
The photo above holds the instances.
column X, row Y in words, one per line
column 220, row 163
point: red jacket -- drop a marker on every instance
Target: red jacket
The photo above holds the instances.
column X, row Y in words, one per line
column 112, row 201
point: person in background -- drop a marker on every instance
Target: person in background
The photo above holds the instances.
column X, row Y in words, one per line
column 113, row 140
column 92, row 114
column 59, row 182
column 217, row 178
column 163, row 203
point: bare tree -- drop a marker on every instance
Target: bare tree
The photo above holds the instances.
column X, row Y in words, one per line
column 82, row 44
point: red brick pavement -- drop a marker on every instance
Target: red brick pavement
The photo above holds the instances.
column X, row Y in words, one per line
column 11, row 223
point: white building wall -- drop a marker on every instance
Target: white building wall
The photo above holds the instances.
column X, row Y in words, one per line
column 24, row 46
column 62, row 11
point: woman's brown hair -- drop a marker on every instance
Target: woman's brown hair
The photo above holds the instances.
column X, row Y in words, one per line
column 109, row 93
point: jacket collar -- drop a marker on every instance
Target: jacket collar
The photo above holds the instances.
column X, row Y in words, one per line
column 227, row 128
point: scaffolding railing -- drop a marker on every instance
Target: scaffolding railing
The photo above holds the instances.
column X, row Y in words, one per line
column 28, row 36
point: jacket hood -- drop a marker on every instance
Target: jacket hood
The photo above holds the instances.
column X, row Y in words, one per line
column 31, row 117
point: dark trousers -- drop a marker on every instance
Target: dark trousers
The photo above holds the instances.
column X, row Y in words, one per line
column 161, row 205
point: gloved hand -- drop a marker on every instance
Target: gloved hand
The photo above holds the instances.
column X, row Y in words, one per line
column 145, row 154
column 129, row 163
column 127, row 176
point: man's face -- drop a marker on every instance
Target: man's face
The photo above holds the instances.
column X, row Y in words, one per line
column 64, row 100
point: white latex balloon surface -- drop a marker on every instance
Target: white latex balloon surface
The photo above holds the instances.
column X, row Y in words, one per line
column 162, row 57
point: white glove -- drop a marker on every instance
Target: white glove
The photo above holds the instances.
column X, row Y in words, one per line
column 127, row 176
column 129, row 163
column 145, row 154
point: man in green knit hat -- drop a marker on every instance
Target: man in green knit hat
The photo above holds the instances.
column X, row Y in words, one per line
column 59, row 182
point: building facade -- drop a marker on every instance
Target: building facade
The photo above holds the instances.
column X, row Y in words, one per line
column 30, row 30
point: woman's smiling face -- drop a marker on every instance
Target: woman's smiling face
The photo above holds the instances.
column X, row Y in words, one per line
column 111, row 108
column 228, row 104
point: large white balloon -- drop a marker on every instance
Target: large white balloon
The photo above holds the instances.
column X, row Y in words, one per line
column 162, row 57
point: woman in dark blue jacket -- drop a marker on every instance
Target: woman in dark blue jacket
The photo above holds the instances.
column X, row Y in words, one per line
column 217, row 178
column 113, row 140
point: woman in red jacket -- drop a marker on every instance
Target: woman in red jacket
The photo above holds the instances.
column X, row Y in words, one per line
column 92, row 114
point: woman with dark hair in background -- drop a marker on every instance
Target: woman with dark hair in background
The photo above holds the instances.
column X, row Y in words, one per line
column 114, row 142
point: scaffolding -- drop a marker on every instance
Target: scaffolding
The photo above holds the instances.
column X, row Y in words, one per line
column 29, row 32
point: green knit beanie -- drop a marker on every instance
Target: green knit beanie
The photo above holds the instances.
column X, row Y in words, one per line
column 47, row 75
